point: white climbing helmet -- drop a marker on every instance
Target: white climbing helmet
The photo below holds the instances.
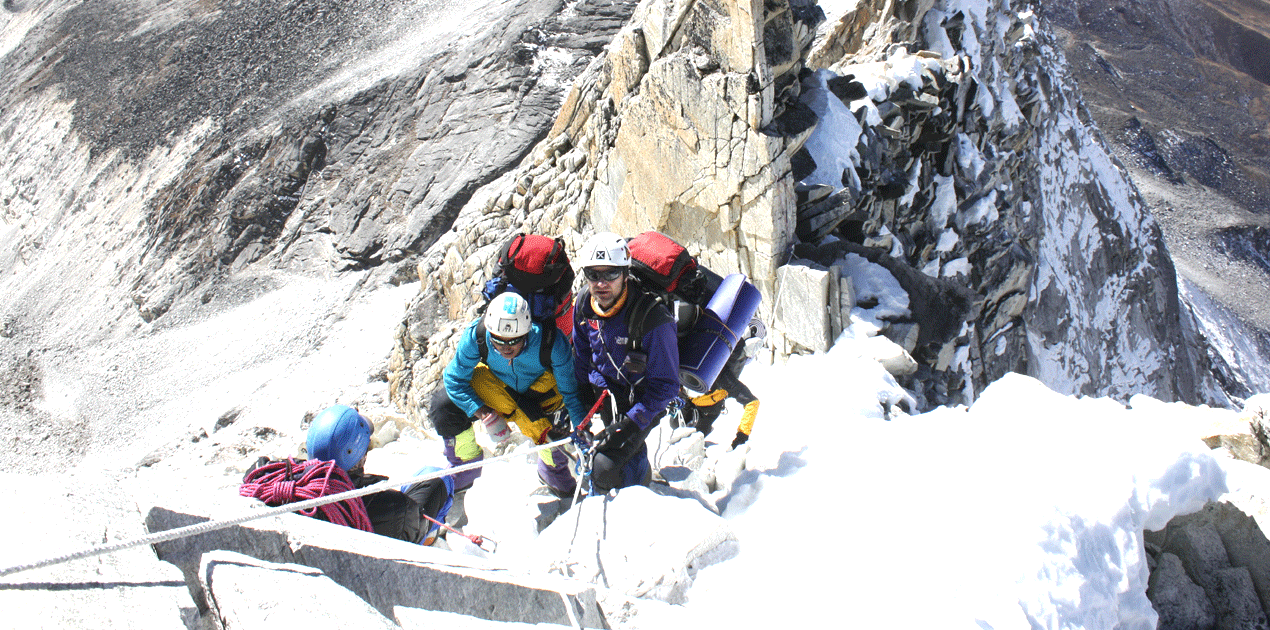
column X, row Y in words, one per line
column 508, row 316
column 605, row 249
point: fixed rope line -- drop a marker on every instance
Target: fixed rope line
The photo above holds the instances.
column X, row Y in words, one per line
column 211, row 526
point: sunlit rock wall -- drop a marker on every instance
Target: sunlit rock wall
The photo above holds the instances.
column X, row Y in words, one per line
column 671, row 130
column 972, row 174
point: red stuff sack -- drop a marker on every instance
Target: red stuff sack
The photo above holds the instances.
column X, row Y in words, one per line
column 658, row 260
column 534, row 263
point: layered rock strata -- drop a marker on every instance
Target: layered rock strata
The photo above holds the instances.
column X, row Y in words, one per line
column 669, row 130
column 960, row 159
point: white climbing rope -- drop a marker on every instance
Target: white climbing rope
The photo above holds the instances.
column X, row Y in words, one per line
column 211, row 526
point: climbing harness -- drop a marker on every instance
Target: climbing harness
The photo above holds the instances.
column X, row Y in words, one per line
column 582, row 441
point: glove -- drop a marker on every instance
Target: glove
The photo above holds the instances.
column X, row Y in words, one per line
column 741, row 438
column 561, row 427
column 617, row 437
column 495, row 426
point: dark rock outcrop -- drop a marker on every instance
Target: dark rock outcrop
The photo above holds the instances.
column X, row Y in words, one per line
column 1181, row 91
column 1210, row 569
column 978, row 169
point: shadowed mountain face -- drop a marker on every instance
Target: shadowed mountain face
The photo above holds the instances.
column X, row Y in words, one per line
column 263, row 131
column 1181, row 90
column 166, row 161
column 139, row 75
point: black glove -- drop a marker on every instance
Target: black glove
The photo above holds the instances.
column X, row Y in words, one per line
column 741, row 438
column 561, row 427
column 700, row 418
column 617, row 437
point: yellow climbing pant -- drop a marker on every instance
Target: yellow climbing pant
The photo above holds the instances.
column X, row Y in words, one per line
column 747, row 418
column 495, row 393
column 710, row 399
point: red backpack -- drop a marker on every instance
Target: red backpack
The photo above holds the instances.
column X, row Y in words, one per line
column 663, row 265
column 658, row 259
column 536, row 267
column 666, row 270
column 533, row 263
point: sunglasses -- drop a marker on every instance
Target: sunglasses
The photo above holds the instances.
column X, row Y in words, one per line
column 506, row 343
column 595, row 275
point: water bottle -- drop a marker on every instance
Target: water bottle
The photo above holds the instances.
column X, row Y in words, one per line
column 496, row 427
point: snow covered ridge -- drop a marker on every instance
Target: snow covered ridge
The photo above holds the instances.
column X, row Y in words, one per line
column 1027, row 509
column 965, row 164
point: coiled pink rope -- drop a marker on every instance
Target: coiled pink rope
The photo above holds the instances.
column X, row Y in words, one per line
column 279, row 483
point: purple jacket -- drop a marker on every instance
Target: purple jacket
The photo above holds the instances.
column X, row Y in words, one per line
column 600, row 351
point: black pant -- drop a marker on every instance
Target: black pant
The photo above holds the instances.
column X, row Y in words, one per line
column 627, row 465
column 730, row 377
column 446, row 416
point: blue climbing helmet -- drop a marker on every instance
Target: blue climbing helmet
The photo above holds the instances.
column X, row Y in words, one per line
column 340, row 434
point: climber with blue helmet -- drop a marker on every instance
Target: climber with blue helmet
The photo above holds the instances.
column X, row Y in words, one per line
column 339, row 434
column 337, row 442
column 527, row 379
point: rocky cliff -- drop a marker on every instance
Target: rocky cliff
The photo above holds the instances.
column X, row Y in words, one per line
column 966, row 164
column 178, row 159
column 1180, row 91
column 168, row 161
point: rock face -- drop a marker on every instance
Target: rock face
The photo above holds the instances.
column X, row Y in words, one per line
column 971, row 173
column 1210, row 569
column 670, row 129
column 1180, row 90
column 244, row 592
column 316, row 138
column 404, row 575
column 384, row 140
column 983, row 175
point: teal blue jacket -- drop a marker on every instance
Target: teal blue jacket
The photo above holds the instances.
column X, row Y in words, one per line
column 518, row 373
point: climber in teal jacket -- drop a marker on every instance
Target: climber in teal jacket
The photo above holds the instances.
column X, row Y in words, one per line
column 502, row 372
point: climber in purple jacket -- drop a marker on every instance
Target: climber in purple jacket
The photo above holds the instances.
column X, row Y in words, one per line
column 623, row 341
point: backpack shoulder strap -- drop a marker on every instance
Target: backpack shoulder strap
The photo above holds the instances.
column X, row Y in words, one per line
column 480, row 341
column 546, row 345
column 507, row 257
column 581, row 301
column 643, row 317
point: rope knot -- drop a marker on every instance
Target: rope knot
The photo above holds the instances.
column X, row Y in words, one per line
column 284, row 492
